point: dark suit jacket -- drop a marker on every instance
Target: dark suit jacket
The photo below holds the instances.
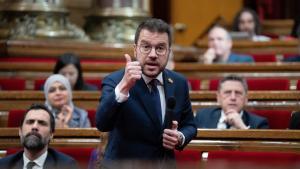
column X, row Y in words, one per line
column 135, row 131
column 54, row 160
column 235, row 58
column 209, row 118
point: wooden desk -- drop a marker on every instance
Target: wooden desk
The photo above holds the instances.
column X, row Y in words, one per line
column 85, row 50
column 270, row 47
column 89, row 100
column 258, row 100
column 206, row 139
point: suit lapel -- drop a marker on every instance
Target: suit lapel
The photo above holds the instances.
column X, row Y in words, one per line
column 49, row 162
column 215, row 116
column 169, row 88
column 143, row 94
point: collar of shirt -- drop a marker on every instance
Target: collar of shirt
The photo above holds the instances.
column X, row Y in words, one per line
column 222, row 118
column 40, row 161
column 148, row 79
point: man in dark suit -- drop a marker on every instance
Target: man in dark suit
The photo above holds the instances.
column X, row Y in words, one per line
column 232, row 97
column 36, row 131
column 219, row 51
column 140, row 129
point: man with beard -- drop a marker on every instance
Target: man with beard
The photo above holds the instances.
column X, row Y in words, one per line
column 232, row 97
column 36, row 130
column 145, row 107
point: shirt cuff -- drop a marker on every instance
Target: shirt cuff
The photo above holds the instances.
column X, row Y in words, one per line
column 120, row 97
column 182, row 138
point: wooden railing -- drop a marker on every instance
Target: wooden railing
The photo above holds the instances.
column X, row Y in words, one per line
column 258, row 100
column 206, row 139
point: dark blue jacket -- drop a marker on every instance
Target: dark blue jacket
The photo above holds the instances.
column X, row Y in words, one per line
column 135, row 131
column 209, row 118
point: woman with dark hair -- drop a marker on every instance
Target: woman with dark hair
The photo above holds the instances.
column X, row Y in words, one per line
column 68, row 65
column 246, row 20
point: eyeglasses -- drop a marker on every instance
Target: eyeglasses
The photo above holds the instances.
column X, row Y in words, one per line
column 159, row 50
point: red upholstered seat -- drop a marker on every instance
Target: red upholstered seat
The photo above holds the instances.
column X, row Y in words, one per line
column 264, row 57
column 298, row 85
column 259, row 84
column 268, row 84
column 92, row 117
column 188, row 159
column 278, row 119
column 15, row 117
column 38, row 84
column 12, row 84
column 250, row 160
column 195, row 84
column 96, row 82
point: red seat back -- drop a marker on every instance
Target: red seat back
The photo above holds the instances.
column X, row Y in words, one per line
column 92, row 117
column 194, row 83
column 259, row 84
column 38, row 84
column 188, row 159
column 12, row 84
column 278, row 119
column 268, row 84
column 264, row 57
column 15, row 117
column 298, row 85
column 250, row 160
column 96, row 82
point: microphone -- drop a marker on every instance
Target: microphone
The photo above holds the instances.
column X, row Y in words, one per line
column 295, row 121
column 171, row 103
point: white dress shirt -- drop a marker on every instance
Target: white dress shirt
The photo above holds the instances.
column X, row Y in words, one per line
column 39, row 162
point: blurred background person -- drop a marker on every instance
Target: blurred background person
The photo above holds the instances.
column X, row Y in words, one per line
column 58, row 95
column 246, row 20
column 232, row 96
column 219, row 48
column 69, row 65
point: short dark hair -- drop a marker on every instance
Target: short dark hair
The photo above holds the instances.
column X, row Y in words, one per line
column 153, row 25
column 38, row 106
column 236, row 20
column 66, row 59
column 234, row 78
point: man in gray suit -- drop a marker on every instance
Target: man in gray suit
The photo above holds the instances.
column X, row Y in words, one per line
column 232, row 97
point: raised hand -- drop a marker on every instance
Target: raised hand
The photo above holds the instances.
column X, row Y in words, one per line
column 133, row 72
column 209, row 56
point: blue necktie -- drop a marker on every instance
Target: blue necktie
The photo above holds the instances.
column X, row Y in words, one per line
column 155, row 99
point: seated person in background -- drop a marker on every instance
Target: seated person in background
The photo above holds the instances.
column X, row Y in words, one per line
column 68, row 65
column 220, row 44
column 36, row 130
column 232, row 97
column 58, row 95
column 246, row 20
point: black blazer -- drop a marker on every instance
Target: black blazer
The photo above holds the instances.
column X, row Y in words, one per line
column 54, row 160
column 209, row 118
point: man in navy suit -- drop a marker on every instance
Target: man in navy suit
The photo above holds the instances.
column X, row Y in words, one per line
column 232, row 97
column 36, row 131
column 219, row 51
column 139, row 131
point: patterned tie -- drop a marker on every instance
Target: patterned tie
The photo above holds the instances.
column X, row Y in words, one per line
column 155, row 98
column 30, row 165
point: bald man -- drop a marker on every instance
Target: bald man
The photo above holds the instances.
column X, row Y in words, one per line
column 219, row 51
